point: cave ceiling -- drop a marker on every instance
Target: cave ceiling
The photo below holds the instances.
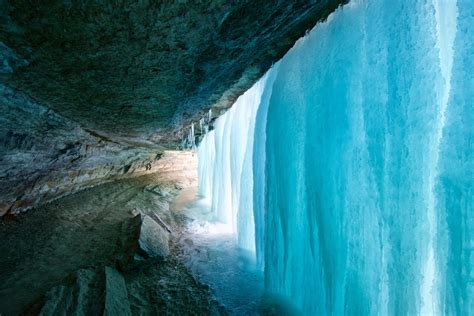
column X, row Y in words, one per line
column 144, row 69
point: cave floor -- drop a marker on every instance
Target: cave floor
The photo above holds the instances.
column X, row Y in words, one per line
column 211, row 252
column 45, row 246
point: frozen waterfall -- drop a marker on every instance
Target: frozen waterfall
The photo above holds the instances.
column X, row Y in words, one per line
column 225, row 166
column 348, row 167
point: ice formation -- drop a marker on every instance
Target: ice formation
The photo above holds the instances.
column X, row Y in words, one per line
column 349, row 170
column 225, row 166
column 189, row 143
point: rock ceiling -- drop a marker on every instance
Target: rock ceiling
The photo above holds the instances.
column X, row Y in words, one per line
column 134, row 68
column 95, row 89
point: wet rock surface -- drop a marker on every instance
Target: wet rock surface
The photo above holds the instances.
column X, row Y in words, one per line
column 154, row 239
column 54, row 257
column 116, row 294
column 145, row 239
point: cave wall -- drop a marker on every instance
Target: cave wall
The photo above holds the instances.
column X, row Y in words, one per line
column 141, row 69
column 44, row 155
column 93, row 91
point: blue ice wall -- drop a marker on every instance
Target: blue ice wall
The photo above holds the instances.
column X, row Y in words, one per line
column 259, row 166
column 354, row 197
column 362, row 163
column 225, row 166
column 454, row 184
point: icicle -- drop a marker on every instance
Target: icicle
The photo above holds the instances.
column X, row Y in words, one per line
column 189, row 142
column 192, row 138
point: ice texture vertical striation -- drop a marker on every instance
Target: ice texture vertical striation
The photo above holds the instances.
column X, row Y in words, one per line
column 359, row 193
column 189, row 142
column 226, row 165
column 206, row 161
column 361, row 163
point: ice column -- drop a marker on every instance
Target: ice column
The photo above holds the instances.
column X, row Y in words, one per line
column 454, row 244
column 258, row 166
column 225, row 165
column 189, row 142
column 206, row 161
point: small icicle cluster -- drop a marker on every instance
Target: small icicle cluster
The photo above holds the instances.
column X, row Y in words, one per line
column 205, row 123
column 189, row 142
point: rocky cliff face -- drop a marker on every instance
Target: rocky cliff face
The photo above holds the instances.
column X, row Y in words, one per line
column 44, row 155
column 94, row 90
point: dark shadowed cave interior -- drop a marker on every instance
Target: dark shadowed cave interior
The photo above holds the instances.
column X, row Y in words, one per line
column 304, row 157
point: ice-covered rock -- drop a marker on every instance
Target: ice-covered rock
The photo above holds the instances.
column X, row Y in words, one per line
column 154, row 239
column 144, row 238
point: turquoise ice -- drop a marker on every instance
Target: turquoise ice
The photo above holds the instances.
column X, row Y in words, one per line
column 348, row 167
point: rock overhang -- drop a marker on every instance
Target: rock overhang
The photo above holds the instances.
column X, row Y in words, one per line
column 91, row 90
column 136, row 69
